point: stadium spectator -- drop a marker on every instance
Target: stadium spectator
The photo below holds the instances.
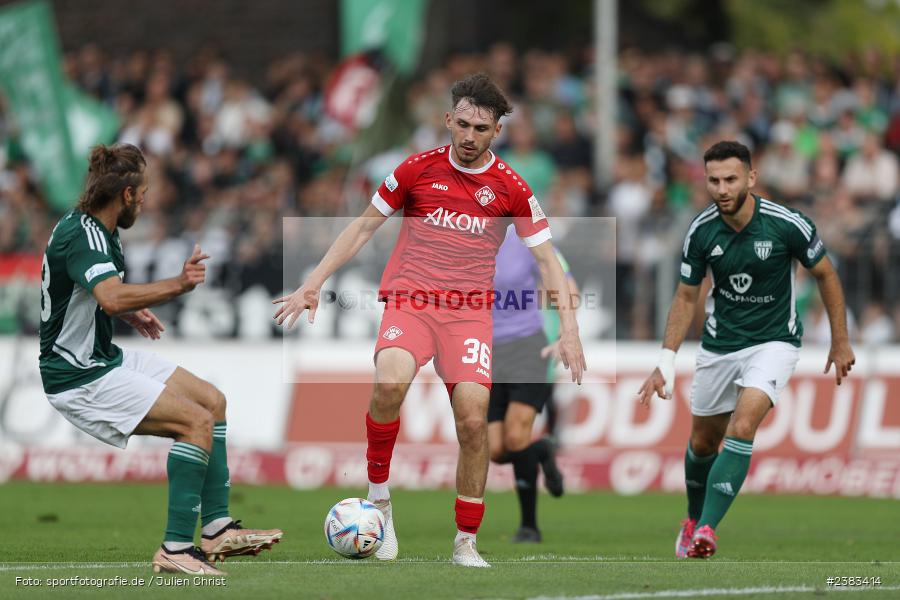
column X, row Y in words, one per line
column 215, row 141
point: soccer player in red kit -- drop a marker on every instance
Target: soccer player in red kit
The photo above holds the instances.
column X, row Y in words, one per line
column 457, row 201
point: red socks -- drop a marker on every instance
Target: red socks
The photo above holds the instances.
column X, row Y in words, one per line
column 469, row 515
column 381, row 437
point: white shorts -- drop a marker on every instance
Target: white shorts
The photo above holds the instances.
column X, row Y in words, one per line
column 720, row 377
column 111, row 407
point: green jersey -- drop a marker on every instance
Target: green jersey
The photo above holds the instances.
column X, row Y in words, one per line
column 76, row 335
column 753, row 297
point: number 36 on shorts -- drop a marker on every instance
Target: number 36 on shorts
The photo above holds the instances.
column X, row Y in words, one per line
column 477, row 352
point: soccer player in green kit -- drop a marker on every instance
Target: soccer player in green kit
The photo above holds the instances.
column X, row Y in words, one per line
column 751, row 336
column 111, row 393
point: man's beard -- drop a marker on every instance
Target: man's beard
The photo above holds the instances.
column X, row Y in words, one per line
column 127, row 217
column 479, row 152
column 738, row 203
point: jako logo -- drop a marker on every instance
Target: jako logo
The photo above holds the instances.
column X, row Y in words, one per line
column 440, row 186
column 453, row 220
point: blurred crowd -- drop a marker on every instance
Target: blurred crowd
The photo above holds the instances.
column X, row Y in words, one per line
column 230, row 158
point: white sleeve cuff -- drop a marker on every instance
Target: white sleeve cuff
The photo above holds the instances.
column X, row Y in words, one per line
column 382, row 206
column 539, row 238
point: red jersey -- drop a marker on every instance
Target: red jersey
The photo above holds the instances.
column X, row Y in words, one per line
column 454, row 222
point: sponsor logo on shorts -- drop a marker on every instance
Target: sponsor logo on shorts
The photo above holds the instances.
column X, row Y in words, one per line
column 485, row 196
column 763, row 249
column 392, row 333
column 741, row 282
column 481, row 371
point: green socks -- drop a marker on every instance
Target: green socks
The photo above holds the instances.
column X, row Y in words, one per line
column 186, row 469
column 725, row 479
column 696, row 471
column 217, row 484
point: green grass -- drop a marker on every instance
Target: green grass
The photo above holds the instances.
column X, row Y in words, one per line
column 594, row 544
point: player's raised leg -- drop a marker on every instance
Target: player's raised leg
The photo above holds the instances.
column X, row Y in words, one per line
column 470, row 403
column 703, row 448
column 191, row 426
column 221, row 536
column 395, row 369
column 730, row 468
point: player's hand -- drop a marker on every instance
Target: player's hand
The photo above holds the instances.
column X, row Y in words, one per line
column 551, row 350
column 194, row 271
column 572, row 354
column 656, row 383
column 293, row 305
column 145, row 322
column 841, row 355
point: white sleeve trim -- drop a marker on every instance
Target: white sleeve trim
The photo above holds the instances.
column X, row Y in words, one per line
column 539, row 238
column 382, row 206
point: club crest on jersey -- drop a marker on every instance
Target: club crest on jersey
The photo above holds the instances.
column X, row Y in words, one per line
column 741, row 282
column 763, row 249
column 392, row 333
column 485, row 196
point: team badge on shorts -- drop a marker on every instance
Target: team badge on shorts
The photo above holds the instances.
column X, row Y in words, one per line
column 485, row 196
column 763, row 249
column 392, row 333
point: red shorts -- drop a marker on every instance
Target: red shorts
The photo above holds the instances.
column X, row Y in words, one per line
column 459, row 341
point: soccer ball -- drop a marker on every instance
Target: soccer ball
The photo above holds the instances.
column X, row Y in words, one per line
column 354, row 528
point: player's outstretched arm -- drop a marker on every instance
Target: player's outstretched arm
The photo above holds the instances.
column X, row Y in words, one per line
column 840, row 354
column 552, row 349
column 117, row 298
column 570, row 351
column 681, row 314
column 348, row 243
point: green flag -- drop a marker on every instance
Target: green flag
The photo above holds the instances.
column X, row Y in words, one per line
column 57, row 124
column 90, row 122
column 394, row 26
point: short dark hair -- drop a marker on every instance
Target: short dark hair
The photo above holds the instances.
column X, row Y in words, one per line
column 482, row 92
column 111, row 170
column 728, row 149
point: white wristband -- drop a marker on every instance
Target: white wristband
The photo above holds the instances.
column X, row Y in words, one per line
column 667, row 369
column 667, row 359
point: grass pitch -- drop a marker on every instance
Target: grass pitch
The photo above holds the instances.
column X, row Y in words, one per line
column 597, row 545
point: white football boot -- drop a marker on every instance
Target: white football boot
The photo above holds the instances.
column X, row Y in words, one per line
column 465, row 554
column 389, row 547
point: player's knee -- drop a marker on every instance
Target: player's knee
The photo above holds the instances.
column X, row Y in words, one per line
column 217, row 402
column 389, row 393
column 516, row 438
column 471, row 430
column 202, row 423
column 744, row 429
column 704, row 444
